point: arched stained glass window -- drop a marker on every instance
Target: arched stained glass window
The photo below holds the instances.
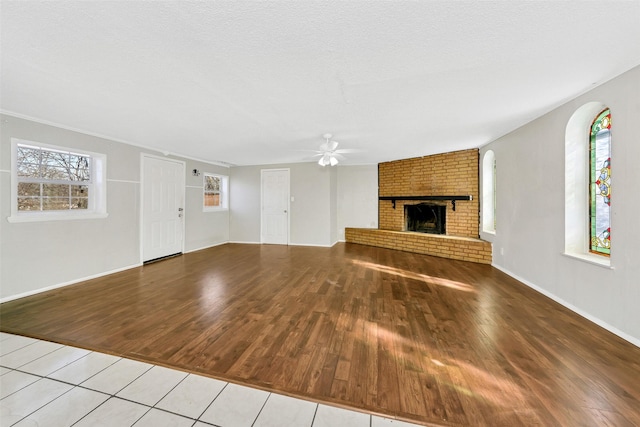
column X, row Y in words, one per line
column 600, row 184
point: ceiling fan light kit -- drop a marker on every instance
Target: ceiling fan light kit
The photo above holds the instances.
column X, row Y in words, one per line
column 328, row 151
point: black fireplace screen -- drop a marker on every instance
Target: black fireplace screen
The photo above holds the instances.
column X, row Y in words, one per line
column 425, row 218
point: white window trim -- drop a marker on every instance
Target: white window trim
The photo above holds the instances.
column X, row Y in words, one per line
column 99, row 188
column 488, row 193
column 224, row 193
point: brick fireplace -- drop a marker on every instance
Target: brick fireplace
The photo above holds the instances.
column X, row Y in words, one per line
column 448, row 180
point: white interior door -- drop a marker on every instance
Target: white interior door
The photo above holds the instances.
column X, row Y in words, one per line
column 275, row 206
column 162, row 207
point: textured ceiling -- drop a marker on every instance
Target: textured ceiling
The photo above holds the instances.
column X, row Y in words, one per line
column 260, row 82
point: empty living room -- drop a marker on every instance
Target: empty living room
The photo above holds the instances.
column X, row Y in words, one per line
column 319, row 213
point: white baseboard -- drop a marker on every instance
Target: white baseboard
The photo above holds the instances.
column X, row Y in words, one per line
column 290, row 244
column 597, row 321
column 313, row 245
column 61, row 285
column 207, row 247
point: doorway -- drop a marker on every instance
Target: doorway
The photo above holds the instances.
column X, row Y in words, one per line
column 162, row 208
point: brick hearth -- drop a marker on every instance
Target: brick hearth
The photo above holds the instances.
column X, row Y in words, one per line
column 453, row 247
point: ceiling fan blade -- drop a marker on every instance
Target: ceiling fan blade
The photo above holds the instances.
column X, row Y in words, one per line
column 311, row 151
column 328, row 145
column 348, row 150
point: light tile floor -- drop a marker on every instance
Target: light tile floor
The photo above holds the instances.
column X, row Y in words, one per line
column 43, row 383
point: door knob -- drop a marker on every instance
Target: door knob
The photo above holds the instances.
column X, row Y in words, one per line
column 285, row 211
column 180, row 209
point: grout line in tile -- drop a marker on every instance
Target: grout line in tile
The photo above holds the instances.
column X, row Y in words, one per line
column 106, row 367
column 40, row 407
column 211, row 403
column 20, row 348
column 141, row 416
column 46, row 354
column 11, row 394
column 164, row 410
column 261, row 409
column 127, row 385
column 313, row 420
column 167, row 393
column 132, row 381
column 62, row 367
column 87, row 414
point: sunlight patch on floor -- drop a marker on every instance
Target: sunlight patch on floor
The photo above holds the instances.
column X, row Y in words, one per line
column 439, row 281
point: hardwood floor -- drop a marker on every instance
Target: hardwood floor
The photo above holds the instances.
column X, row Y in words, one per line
column 424, row 339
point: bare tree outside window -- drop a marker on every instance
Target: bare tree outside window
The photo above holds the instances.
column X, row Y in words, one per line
column 52, row 180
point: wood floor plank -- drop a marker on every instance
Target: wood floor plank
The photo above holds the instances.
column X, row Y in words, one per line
column 422, row 339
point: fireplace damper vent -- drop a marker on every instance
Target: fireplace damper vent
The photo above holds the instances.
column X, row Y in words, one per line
column 425, row 218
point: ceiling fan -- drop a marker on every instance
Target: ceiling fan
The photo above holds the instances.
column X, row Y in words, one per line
column 329, row 153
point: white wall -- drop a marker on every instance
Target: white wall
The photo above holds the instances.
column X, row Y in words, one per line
column 244, row 204
column 333, row 206
column 203, row 229
column 357, row 198
column 326, row 200
column 310, row 212
column 529, row 239
column 40, row 255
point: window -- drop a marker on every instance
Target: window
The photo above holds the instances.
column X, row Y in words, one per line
column 56, row 183
column 587, row 184
column 600, row 184
column 489, row 192
column 215, row 192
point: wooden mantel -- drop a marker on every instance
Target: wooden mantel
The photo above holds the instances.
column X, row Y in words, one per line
column 452, row 198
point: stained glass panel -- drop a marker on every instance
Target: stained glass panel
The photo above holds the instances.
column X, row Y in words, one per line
column 600, row 184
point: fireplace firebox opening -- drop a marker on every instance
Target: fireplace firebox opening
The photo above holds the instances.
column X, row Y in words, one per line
column 425, row 218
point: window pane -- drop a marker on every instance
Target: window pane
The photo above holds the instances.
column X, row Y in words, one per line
column 31, row 170
column 55, row 158
column 56, row 172
column 211, row 199
column 211, row 183
column 28, row 189
column 28, row 203
column 79, row 191
column 600, row 187
column 28, row 155
column 55, row 190
column 79, row 168
column 55, row 203
column 79, row 203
